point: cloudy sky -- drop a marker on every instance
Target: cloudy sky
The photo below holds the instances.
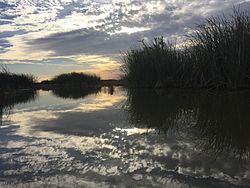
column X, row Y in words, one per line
column 49, row 37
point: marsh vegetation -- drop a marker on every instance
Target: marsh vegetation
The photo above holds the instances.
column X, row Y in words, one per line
column 216, row 55
column 10, row 81
column 74, row 79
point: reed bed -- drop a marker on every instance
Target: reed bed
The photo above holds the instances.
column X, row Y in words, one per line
column 74, row 79
column 216, row 55
column 9, row 81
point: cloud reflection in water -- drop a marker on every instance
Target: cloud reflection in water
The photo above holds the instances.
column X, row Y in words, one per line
column 72, row 143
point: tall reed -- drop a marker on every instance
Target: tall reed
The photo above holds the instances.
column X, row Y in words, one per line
column 10, row 80
column 220, row 52
column 216, row 55
column 154, row 64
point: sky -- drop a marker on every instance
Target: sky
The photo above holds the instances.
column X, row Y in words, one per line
column 49, row 37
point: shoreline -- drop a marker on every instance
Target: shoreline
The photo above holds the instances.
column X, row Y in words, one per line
column 102, row 83
column 114, row 83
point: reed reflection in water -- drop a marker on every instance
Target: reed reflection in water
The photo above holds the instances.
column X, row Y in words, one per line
column 9, row 100
column 75, row 93
column 217, row 123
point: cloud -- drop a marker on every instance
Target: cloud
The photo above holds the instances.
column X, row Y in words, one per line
column 126, row 23
column 84, row 42
column 4, row 42
column 4, row 45
column 51, row 61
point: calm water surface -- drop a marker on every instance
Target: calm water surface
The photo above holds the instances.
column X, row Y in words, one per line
column 125, row 138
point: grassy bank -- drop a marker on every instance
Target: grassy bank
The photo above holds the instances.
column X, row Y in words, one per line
column 216, row 55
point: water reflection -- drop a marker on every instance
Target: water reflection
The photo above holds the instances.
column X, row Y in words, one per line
column 157, row 108
column 223, row 123
column 127, row 138
column 216, row 122
column 8, row 100
column 80, row 112
column 76, row 93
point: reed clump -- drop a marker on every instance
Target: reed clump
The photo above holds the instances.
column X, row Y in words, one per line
column 154, row 64
column 216, row 55
column 72, row 80
column 10, row 81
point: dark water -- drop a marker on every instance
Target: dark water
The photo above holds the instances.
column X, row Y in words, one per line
column 112, row 137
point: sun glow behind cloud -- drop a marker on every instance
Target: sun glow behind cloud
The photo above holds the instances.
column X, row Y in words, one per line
column 90, row 35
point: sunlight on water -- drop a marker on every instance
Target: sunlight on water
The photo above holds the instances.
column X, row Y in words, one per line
column 134, row 130
column 121, row 139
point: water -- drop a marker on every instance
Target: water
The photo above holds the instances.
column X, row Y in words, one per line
column 115, row 137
